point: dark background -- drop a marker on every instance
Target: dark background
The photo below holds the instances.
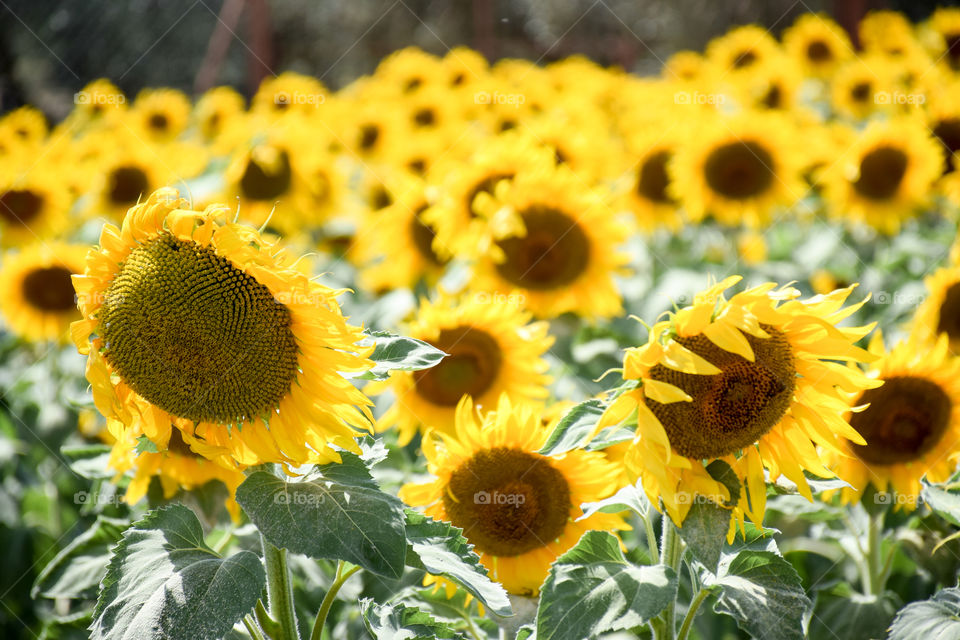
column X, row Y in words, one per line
column 49, row 50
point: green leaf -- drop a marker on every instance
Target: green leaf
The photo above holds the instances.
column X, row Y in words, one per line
column 400, row 622
column 592, row 589
column 399, row 353
column 945, row 504
column 337, row 513
column 76, row 571
column 573, row 428
column 762, row 592
column 145, row 445
column 937, row 618
column 629, row 498
column 841, row 613
column 89, row 461
column 164, row 582
column 705, row 528
column 440, row 549
column 525, row 632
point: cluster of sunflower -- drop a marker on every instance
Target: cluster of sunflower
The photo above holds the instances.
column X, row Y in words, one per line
column 504, row 196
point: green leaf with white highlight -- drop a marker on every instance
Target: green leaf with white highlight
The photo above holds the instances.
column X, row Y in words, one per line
column 400, row 622
column 440, row 549
column 935, row 619
column 76, row 571
column 575, row 427
column 399, row 353
column 593, row 589
column 164, row 582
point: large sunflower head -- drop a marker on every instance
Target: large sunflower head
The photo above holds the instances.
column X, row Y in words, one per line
column 886, row 175
column 911, row 424
column 493, row 349
column 738, row 169
column 554, row 246
column 751, row 380
column 36, row 292
column 195, row 323
column 818, row 43
column 518, row 508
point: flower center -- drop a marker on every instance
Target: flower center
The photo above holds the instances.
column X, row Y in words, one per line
column 127, row 184
column 260, row 183
column 949, row 316
column 554, row 252
column 159, row 122
column 652, row 179
column 948, row 132
column 818, row 51
column 744, row 59
column 881, row 171
column 860, row 92
column 470, row 369
column 734, row 408
column 20, row 206
column 507, row 501
column 487, row 185
column 906, row 418
column 422, row 235
column 369, row 135
column 739, row 170
column 953, row 49
column 50, row 289
column 196, row 336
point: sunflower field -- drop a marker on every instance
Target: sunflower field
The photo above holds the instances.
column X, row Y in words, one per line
column 505, row 350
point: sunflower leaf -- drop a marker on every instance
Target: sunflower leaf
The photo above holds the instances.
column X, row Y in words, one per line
column 440, row 549
column 337, row 513
column 90, row 461
column 945, row 504
column 842, row 613
column 163, row 581
column 629, row 498
column 392, row 621
column 399, row 353
column 938, row 617
column 76, row 571
column 592, row 589
column 575, row 427
column 762, row 592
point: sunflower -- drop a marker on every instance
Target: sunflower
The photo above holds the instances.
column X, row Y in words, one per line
column 738, row 169
column 886, row 175
column 520, row 510
column 410, row 70
column 742, row 50
column 127, row 173
column 939, row 314
column 862, row 87
column 751, row 381
column 943, row 119
column 945, row 25
column 196, row 324
column 161, row 114
column 99, row 103
column 648, row 195
column 911, row 424
column 175, row 464
column 685, row 66
column 888, row 33
column 493, row 349
column 33, row 207
column 818, row 43
column 555, row 246
column 219, row 116
column 289, row 93
column 26, row 126
column 36, row 293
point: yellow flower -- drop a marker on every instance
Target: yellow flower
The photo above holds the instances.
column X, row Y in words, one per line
column 741, row 50
column 911, row 424
column 518, row 508
column 738, row 169
column 555, row 246
column 685, row 66
column 945, row 25
column 160, row 114
column 885, row 176
column 36, row 293
column 649, row 196
column 818, row 43
column 289, row 93
column 193, row 323
column 862, row 87
column 493, row 350
column 939, row 313
column 33, row 206
column 752, row 381
column 888, row 33
column 752, row 248
column 26, row 127
column 219, row 119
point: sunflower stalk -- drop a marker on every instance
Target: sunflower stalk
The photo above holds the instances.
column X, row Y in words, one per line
column 280, row 591
column 341, row 577
column 875, row 579
column 671, row 555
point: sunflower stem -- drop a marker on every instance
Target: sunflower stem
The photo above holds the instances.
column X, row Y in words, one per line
column 671, row 555
column 692, row 613
column 651, row 538
column 874, row 556
column 280, row 590
column 252, row 627
column 341, row 577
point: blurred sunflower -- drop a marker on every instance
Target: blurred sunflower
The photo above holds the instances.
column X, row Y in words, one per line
column 818, row 43
column 741, row 50
column 752, row 381
column 555, row 247
column 885, row 176
column 36, row 293
column 493, row 350
column 126, row 174
column 738, row 169
column 862, row 87
column 887, row 33
column 160, row 114
column 911, row 424
column 33, row 206
column 289, row 93
column 25, row 127
column 99, row 103
column 519, row 509
column 939, row 313
column 945, row 24
column 193, row 323
column 684, row 66
column 649, row 196
column 219, row 115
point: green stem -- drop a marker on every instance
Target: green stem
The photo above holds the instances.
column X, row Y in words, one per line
column 874, row 557
column 692, row 613
column 651, row 537
column 252, row 627
column 280, row 590
column 471, row 627
column 342, row 576
column 671, row 554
